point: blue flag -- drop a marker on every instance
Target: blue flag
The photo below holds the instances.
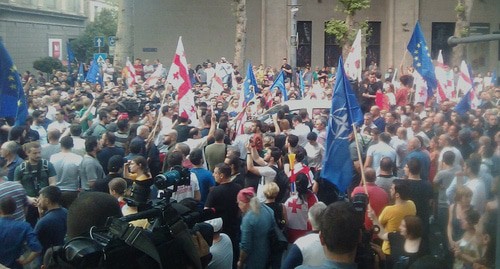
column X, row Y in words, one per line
column 250, row 81
column 422, row 59
column 94, row 73
column 279, row 83
column 71, row 55
column 345, row 110
column 81, row 76
column 12, row 99
column 302, row 86
column 494, row 78
column 464, row 105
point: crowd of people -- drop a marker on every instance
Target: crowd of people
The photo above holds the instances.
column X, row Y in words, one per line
column 428, row 171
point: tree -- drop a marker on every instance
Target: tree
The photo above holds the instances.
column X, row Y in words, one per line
column 241, row 32
column 48, row 65
column 104, row 25
column 124, row 34
column 344, row 30
column 462, row 24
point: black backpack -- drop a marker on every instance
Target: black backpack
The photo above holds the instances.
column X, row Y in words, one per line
column 284, row 183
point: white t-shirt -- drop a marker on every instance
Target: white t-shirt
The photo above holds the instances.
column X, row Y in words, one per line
column 185, row 191
column 268, row 175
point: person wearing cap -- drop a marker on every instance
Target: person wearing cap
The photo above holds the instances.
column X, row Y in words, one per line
column 114, row 167
column 222, row 253
column 257, row 222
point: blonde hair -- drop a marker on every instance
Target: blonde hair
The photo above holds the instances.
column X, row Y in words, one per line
column 271, row 190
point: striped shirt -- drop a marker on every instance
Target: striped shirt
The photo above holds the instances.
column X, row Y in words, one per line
column 15, row 190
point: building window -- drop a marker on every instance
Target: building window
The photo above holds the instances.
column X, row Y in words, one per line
column 27, row 2
column 332, row 50
column 50, row 3
column 72, row 6
column 304, row 43
column 441, row 31
column 373, row 44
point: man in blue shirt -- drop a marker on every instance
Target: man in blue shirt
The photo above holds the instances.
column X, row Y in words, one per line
column 415, row 151
column 340, row 233
column 51, row 228
column 14, row 235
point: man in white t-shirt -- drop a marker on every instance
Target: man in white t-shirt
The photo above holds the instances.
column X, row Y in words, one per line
column 264, row 168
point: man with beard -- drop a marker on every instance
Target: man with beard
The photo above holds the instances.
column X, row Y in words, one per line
column 369, row 90
column 169, row 142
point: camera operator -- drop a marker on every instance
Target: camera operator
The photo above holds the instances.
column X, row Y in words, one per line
column 339, row 234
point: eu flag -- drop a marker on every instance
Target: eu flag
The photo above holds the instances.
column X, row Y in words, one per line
column 81, row 76
column 12, row 98
column 345, row 110
column 279, row 83
column 422, row 59
column 94, row 73
column 250, row 85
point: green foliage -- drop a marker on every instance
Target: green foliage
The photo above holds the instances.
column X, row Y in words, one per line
column 344, row 33
column 353, row 6
column 48, row 64
column 460, row 8
column 105, row 24
column 339, row 29
column 464, row 31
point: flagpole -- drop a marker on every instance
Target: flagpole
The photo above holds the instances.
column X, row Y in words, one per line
column 402, row 62
column 363, row 179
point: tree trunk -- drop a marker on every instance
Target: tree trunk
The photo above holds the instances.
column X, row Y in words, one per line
column 124, row 33
column 241, row 33
column 464, row 9
column 346, row 45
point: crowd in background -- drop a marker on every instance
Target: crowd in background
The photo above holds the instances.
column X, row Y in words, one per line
column 430, row 171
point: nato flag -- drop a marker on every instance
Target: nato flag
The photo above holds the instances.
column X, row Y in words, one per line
column 337, row 164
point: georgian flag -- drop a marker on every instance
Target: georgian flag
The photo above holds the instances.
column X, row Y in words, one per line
column 443, row 92
column 153, row 79
column 420, row 88
column 130, row 73
column 217, row 86
column 353, row 61
column 178, row 77
column 464, row 85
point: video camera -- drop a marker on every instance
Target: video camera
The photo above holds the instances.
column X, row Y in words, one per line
column 166, row 243
column 365, row 256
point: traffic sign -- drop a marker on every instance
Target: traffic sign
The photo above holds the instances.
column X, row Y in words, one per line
column 100, row 57
column 111, row 41
column 99, row 41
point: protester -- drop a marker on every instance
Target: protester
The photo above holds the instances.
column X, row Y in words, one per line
column 133, row 119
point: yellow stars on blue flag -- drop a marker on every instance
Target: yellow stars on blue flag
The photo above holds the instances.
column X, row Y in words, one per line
column 12, row 97
column 422, row 58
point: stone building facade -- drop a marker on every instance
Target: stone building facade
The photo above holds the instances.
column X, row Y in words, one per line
column 208, row 30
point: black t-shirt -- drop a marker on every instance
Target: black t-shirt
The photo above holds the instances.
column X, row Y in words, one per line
column 106, row 153
column 223, row 199
column 287, row 67
column 421, row 194
column 182, row 132
column 400, row 258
